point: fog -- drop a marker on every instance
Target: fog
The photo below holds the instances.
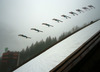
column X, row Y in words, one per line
column 19, row 16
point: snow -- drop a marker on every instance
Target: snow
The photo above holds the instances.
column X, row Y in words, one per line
column 53, row 56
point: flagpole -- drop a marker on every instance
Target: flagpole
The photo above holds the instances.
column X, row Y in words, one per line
column 18, row 58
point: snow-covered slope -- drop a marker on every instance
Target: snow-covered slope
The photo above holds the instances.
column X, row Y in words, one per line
column 53, row 56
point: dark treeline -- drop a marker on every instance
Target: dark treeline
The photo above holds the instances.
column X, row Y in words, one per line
column 36, row 49
column 39, row 47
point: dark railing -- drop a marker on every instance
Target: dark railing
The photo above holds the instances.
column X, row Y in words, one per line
column 77, row 55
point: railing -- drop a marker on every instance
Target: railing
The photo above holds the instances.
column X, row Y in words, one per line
column 77, row 55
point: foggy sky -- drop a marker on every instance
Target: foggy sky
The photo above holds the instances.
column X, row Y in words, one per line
column 19, row 16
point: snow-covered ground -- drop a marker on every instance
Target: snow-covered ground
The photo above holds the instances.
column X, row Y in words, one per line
column 53, row 56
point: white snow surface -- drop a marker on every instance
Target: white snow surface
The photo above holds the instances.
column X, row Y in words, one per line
column 56, row 54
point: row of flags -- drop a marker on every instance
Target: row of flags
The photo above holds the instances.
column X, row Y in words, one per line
column 57, row 20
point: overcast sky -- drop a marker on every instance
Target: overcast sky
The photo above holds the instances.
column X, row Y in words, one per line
column 19, row 16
